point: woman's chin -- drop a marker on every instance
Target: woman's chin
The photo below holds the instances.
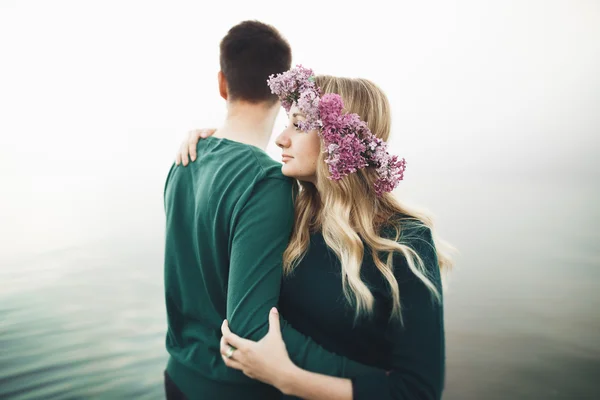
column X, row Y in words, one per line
column 287, row 171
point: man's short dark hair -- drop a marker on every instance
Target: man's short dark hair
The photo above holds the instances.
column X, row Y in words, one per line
column 250, row 52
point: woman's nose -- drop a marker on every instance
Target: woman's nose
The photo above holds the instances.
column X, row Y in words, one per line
column 282, row 140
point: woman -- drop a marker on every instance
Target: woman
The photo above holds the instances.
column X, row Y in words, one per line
column 362, row 270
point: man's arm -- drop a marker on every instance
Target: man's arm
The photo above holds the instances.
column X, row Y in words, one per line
column 260, row 234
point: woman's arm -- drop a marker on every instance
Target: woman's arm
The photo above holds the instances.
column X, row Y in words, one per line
column 418, row 353
column 267, row 360
column 311, row 386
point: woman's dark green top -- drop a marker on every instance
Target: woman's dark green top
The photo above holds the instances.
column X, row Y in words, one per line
column 313, row 302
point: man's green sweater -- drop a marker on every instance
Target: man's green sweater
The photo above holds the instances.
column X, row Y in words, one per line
column 229, row 217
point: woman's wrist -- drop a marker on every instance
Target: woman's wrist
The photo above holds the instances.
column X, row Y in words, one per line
column 288, row 379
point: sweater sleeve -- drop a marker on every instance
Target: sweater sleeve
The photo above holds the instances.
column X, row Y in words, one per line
column 418, row 351
column 261, row 233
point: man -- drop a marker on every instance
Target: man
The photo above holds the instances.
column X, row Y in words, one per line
column 229, row 217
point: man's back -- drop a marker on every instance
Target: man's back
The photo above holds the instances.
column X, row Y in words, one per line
column 214, row 209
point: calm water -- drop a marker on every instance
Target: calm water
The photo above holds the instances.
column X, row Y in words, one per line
column 522, row 314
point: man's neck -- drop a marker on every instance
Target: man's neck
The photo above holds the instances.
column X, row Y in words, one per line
column 249, row 123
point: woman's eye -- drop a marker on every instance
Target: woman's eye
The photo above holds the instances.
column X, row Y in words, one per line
column 296, row 126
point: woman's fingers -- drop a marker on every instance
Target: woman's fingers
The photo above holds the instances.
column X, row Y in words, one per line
column 183, row 151
column 233, row 339
column 231, row 363
column 225, row 328
column 193, row 138
column 204, row 133
column 274, row 327
column 187, row 150
column 225, row 351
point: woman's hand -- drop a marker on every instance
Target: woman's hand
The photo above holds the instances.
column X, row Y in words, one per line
column 188, row 146
column 266, row 360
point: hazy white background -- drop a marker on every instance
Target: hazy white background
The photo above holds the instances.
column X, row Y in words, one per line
column 496, row 107
column 96, row 95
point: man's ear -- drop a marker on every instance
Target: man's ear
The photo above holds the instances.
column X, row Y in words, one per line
column 222, row 85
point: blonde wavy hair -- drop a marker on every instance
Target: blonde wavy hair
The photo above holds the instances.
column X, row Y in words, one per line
column 349, row 212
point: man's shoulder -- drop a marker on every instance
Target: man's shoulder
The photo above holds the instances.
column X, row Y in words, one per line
column 232, row 171
column 251, row 159
column 270, row 168
column 247, row 170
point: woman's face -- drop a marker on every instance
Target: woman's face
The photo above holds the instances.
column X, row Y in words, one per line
column 300, row 150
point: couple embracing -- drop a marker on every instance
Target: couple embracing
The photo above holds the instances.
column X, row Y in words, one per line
column 306, row 278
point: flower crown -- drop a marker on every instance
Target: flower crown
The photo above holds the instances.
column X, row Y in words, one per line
column 348, row 141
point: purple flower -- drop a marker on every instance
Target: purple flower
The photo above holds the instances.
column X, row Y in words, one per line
column 330, row 108
column 308, row 103
column 289, row 85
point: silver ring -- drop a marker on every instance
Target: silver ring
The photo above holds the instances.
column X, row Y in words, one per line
column 229, row 352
